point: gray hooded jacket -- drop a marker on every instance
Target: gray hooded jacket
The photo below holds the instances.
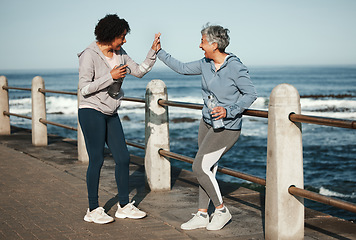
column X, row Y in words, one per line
column 95, row 77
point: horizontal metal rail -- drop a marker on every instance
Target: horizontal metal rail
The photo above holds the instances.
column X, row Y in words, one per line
column 180, row 104
column 256, row 113
column 249, row 112
column 16, row 88
column 333, row 122
column 57, row 124
column 52, row 91
column 62, row 125
column 132, row 99
column 17, row 115
column 323, row 199
column 135, row 145
column 227, row 171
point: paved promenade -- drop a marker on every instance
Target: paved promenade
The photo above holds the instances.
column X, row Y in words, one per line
column 43, row 196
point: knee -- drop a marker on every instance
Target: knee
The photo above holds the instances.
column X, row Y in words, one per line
column 122, row 159
column 96, row 158
column 197, row 169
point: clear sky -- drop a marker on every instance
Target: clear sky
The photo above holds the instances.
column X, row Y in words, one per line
column 46, row 34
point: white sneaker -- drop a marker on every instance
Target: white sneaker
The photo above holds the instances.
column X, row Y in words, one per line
column 219, row 220
column 129, row 211
column 98, row 215
column 199, row 220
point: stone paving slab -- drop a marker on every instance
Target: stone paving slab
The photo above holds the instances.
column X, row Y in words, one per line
column 43, row 196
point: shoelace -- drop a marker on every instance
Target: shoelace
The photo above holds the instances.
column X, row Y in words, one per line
column 101, row 211
column 216, row 213
column 132, row 206
column 198, row 215
column 195, row 215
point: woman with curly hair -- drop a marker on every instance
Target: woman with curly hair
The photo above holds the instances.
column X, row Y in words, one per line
column 102, row 68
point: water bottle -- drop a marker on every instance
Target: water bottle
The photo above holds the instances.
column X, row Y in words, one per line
column 212, row 102
column 114, row 88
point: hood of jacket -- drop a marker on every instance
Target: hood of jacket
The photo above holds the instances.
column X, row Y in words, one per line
column 229, row 58
column 95, row 48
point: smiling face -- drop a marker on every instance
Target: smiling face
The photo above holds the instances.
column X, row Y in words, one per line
column 207, row 48
column 119, row 41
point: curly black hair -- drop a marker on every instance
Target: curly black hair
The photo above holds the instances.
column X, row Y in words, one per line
column 110, row 27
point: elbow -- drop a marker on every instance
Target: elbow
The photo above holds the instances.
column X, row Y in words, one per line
column 255, row 97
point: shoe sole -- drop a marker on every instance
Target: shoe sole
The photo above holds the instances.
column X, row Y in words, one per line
column 193, row 228
column 91, row 221
column 219, row 228
column 124, row 216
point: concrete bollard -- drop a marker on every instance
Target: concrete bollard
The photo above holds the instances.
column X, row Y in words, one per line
column 4, row 106
column 284, row 214
column 39, row 130
column 82, row 150
column 158, row 168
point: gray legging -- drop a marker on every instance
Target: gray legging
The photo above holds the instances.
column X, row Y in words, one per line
column 212, row 145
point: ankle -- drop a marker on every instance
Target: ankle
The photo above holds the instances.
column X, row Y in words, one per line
column 202, row 213
column 220, row 207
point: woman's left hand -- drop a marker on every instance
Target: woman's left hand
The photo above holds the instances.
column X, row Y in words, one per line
column 218, row 112
column 156, row 45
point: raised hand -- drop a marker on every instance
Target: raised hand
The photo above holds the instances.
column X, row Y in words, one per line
column 156, row 46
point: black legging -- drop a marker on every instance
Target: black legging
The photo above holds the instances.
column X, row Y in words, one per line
column 99, row 129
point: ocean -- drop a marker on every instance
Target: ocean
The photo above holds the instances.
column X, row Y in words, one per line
column 329, row 153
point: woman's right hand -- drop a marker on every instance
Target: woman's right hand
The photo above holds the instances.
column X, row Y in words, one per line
column 118, row 72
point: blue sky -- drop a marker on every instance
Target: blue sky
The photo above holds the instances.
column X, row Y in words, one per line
column 45, row 34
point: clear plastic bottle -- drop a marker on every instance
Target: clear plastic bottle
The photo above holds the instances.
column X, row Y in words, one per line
column 212, row 102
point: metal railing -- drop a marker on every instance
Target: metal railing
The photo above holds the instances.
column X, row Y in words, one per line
column 249, row 112
column 264, row 114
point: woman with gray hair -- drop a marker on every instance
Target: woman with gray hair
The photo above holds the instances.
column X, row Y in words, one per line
column 226, row 81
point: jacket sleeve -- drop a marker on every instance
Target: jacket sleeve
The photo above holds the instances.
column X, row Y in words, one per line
column 246, row 89
column 139, row 70
column 86, row 84
column 191, row 68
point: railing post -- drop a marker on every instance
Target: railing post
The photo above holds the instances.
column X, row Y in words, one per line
column 82, row 150
column 4, row 106
column 158, row 168
column 39, row 130
column 284, row 212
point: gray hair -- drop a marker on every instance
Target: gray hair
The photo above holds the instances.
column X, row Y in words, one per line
column 217, row 34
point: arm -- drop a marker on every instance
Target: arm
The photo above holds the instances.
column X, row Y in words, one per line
column 246, row 89
column 86, row 84
column 191, row 68
column 139, row 70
